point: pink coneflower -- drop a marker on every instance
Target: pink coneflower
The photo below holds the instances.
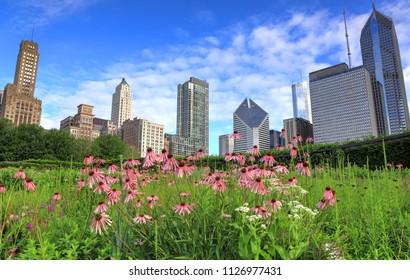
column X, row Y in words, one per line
column 88, row 159
column 130, row 184
column 208, row 178
column 299, row 165
column 192, row 157
column 142, row 219
column 84, row 170
column 111, row 180
column 279, row 147
column 321, row 204
column 100, row 222
column 257, row 186
column 162, row 158
column 294, row 152
column 309, row 139
column 185, row 194
column 251, row 158
column 101, row 208
column 328, row 194
column 292, row 181
column 235, row 135
column 263, row 172
column 183, row 208
column 399, row 165
column 13, row 252
column 131, row 163
column 152, row 200
column 150, row 155
column 304, row 170
column 131, row 195
column 2, row 188
column 81, row 184
column 20, row 174
column 254, row 151
column 290, row 145
column 294, row 141
column 171, row 163
column 273, row 204
column 114, row 196
column 99, row 161
column 219, row 184
column 94, row 177
column 258, row 209
column 138, row 203
column 281, row 168
column 28, row 183
column 200, row 154
column 56, row 196
column 183, row 170
column 282, row 133
column 102, row 187
column 299, row 137
column 268, row 159
column 112, row 168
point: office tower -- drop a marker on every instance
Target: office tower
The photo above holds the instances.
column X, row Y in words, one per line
column 252, row 123
column 342, row 104
column 121, row 108
column 143, row 134
column 300, row 101
column 381, row 57
column 104, row 126
column 275, row 139
column 297, row 126
column 19, row 104
column 226, row 144
column 192, row 118
column 82, row 124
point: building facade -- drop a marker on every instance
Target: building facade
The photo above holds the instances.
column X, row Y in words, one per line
column 121, row 108
column 143, row 134
column 192, row 118
column 275, row 139
column 226, row 144
column 104, row 126
column 252, row 123
column 18, row 102
column 298, row 126
column 342, row 104
column 300, row 101
column 381, row 57
column 81, row 126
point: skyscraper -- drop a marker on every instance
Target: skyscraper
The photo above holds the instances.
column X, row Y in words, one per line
column 193, row 114
column 19, row 104
column 226, row 144
column 381, row 57
column 121, row 108
column 342, row 104
column 252, row 123
column 300, row 101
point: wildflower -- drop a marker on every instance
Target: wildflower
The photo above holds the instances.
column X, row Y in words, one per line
column 99, row 161
column 294, row 141
column 130, row 184
column 102, row 188
column 279, row 147
column 219, row 184
column 13, row 252
column 258, row 209
column 192, row 157
column 101, row 208
column 150, row 155
column 282, row 133
column 81, row 184
column 152, row 200
column 185, row 194
column 235, row 135
column 294, row 152
column 2, row 188
column 171, row 163
column 100, row 222
column 254, row 151
column 321, row 204
column 88, row 159
column 131, row 195
column 304, row 170
column 29, row 226
column 142, row 219
column 183, row 169
column 138, row 242
column 399, row 165
column 84, row 170
column 20, row 174
column 56, row 196
column 114, row 196
column 328, row 194
column 281, row 168
column 258, row 187
column 94, row 177
column 292, row 181
column 183, row 208
column 28, row 182
column 273, row 204
column 299, row 137
column 162, row 158
column 268, row 159
column 309, row 139
column 200, row 154
column 138, row 203
column 130, row 163
column 112, row 168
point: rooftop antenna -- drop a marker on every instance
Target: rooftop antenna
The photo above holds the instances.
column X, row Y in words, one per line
column 32, row 33
column 347, row 40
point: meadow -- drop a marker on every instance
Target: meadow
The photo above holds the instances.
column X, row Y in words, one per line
column 162, row 208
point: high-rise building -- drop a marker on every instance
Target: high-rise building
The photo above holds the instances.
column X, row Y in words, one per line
column 121, row 108
column 342, row 104
column 381, row 57
column 300, row 101
column 144, row 134
column 252, row 123
column 19, row 104
column 275, row 139
column 226, row 144
column 82, row 124
column 192, row 118
column 295, row 127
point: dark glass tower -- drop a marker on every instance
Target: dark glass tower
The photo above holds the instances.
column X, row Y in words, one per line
column 381, row 57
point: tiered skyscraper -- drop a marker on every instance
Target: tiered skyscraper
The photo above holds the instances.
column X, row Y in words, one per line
column 121, row 109
column 192, row 118
column 252, row 123
column 19, row 104
column 381, row 57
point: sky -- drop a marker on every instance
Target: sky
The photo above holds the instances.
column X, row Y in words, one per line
column 242, row 48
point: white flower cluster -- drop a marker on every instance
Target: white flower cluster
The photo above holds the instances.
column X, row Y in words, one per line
column 244, row 208
column 299, row 209
column 253, row 218
column 334, row 252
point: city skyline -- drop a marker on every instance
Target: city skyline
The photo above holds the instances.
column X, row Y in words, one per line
column 253, row 49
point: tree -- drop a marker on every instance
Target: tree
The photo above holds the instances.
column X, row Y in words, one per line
column 108, row 147
column 59, row 144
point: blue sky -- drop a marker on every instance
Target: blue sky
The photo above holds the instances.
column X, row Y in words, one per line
column 243, row 48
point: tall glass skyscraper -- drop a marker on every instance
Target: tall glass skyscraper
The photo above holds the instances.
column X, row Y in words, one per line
column 300, row 101
column 381, row 57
